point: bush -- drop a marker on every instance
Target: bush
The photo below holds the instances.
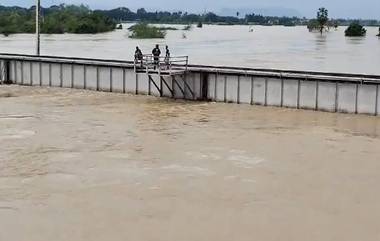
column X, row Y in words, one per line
column 355, row 30
column 144, row 31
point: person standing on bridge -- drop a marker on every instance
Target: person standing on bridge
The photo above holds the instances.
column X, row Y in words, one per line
column 138, row 56
column 156, row 55
column 167, row 57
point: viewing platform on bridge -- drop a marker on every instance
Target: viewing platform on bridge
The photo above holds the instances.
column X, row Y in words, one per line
column 163, row 66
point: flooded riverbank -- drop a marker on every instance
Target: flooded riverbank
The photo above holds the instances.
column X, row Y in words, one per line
column 82, row 165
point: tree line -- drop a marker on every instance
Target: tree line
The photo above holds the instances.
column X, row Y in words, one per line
column 81, row 19
column 125, row 14
column 323, row 24
column 54, row 20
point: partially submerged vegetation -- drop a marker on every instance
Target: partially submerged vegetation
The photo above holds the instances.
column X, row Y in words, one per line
column 55, row 20
column 163, row 28
column 355, row 30
column 322, row 18
column 187, row 27
column 322, row 23
column 145, row 31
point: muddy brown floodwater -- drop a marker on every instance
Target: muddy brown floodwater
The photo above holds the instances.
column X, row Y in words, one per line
column 79, row 165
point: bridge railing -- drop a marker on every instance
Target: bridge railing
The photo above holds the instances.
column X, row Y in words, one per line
column 166, row 65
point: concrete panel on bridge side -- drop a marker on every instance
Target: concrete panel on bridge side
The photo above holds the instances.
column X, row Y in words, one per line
column 367, row 99
column 117, row 83
column 78, row 76
column 105, row 79
column 290, row 94
column 327, row 96
column 220, row 88
column 274, row 92
column 245, row 89
column 56, row 76
column 91, row 78
column 259, row 91
column 67, row 77
column 347, row 98
column 232, row 89
column 308, row 95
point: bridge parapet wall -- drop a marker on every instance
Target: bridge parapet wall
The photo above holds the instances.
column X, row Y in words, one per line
column 333, row 92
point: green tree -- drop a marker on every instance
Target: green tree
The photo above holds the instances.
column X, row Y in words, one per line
column 322, row 18
column 355, row 30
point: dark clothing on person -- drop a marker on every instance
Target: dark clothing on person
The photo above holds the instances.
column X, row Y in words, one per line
column 156, row 55
column 138, row 54
column 167, row 57
column 156, row 52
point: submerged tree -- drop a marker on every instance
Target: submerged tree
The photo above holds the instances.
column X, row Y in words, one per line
column 322, row 18
column 312, row 25
column 145, row 31
column 355, row 30
column 187, row 27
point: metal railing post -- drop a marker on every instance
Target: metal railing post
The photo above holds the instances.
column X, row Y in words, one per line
column 38, row 7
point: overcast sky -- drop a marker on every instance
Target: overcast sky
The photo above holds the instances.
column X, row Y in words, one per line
column 337, row 8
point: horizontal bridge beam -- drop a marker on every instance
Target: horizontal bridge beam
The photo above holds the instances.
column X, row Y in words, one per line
column 276, row 73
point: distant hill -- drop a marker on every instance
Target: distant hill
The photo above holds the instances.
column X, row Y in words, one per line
column 273, row 11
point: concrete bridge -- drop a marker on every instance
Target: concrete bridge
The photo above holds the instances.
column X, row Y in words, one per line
column 333, row 92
